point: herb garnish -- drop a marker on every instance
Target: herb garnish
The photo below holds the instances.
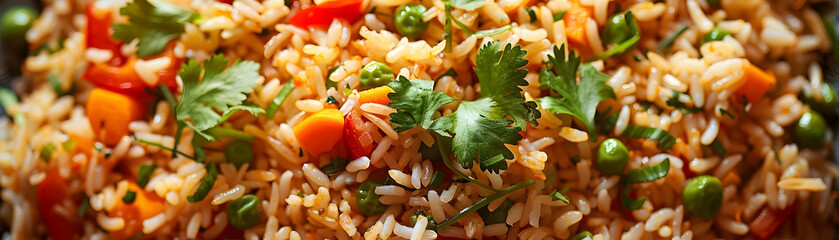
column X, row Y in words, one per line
column 576, row 99
column 278, row 100
column 144, row 174
column 641, row 175
column 675, row 103
column 206, row 184
column 153, row 24
column 129, row 197
column 483, row 202
column 46, row 152
column 667, row 43
column 335, row 165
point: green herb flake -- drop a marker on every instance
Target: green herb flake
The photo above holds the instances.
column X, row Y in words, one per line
column 206, row 184
column 46, row 152
column 557, row 196
column 144, row 174
column 437, row 179
column 483, row 203
column 558, row 16
column 331, row 100
column 668, row 42
column 665, row 140
column 153, row 24
column 335, row 165
column 280, row 98
column 129, row 197
column 718, row 148
column 451, row 72
column 726, row 113
column 531, row 14
column 675, row 103
column 83, row 208
column 777, row 156
column 69, row 145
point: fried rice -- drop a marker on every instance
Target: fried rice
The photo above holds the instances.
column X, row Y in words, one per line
column 66, row 174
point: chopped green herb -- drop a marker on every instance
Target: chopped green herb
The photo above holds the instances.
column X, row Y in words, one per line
column 144, row 174
column 8, row 98
column 56, row 85
column 300, row 194
column 69, row 145
column 335, row 165
column 558, row 16
column 206, row 184
column 153, row 24
column 777, row 156
column 641, row 175
column 83, row 208
column 557, row 196
column 726, row 113
column 211, row 88
column 665, row 140
column 281, row 96
column 50, row 47
column 437, row 179
column 830, row 26
column 447, row 35
column 675, row 103
column 46, row 152
column 576, row 99
column 718, row 148
column 531, row 14
column 461, row 25
column 431, row 223
column 484, row 202
column 129, row 197
column 329, row 83
column 492, row 32
column 668, row 42
column 497, row 216
column 331, row 100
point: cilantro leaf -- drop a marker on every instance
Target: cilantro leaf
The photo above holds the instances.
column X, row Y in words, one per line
column 153, row 24
column 576, row 99
column 415, row 103
column 500, row 74
column 481, row 139
column 218, row 90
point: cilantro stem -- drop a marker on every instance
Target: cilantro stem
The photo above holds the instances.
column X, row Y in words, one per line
column 448, row 28
column 484, row 202
column 161, row 147
column 171, row 100
column 445, row 158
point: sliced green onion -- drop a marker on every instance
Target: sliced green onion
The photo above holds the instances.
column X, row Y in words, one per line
column 144, row 174
column 437, row 179
column 675, row 103
column 8, row 98
column 335, row 165
column 330, row 83
column 559, row 15
column 726, row 113
column 278, row 100
column 331, row 100
column 665, row 140
column 557, row 196
column 206, row 184
column 532, row 14
column 641, row 175
column 777, row 157
column 492, row 32
column 431, row 223
column 223, row 132
column 83, row 208
column 484, row 202
column 129, row 197
column 46, row 152
column 56, row 85
column 667, row 43
column 69, row 145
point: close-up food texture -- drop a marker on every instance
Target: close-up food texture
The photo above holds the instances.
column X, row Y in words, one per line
column 419, row 119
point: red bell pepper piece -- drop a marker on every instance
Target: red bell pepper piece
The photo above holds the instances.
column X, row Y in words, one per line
column 359, row 141
column 52, row 191
column 97, row 35
column 124, row 78
column 323, row 14
column 765, row 225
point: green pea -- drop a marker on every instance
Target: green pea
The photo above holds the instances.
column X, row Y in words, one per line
column 408, row 20
column 612, row 157
column 244, row 213
column 617, row 29
column 375, row 74
column 702, row 196
column 367, row 199
column 582, row 235
column 15, row 22
column 810, row 130
column 238, row 152
column 715, row 35
column 827, row 106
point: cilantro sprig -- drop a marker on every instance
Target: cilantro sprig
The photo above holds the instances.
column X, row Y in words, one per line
column 210, row 89
column 480, row 128
column 153, row 24
column 576, row 99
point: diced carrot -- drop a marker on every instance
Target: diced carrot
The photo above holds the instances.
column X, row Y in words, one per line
column 83, row 144
column 145, row 206
column 375, row 95
column 109, row 114
column 321, row 131
column 575, row 24
column 52, row 191
column 757, row 83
